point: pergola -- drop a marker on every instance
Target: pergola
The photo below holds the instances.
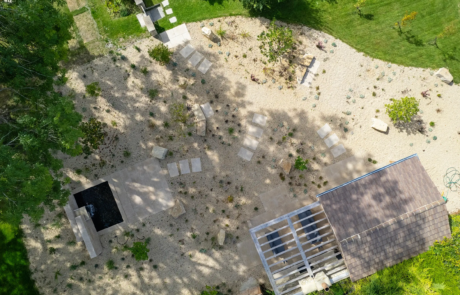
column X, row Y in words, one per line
column 298, row 246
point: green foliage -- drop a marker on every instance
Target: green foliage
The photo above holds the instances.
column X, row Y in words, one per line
column 432, row 124
column 119, row 8
column 402, row 109
column 258, row 4
column 110, row 264
column 179, row 113
column 211, row 290
column 94, row 134
column 300, row 164
column 275, row 42
column 93, row 89
column 153, row 93
column 221, row 32
column 139, row 250
column 161, row 54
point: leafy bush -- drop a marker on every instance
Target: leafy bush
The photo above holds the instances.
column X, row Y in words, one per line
column 221, row 32
column 93, row 134
column 93, row 89
column 161, row 54
column 153, row 93
column 119, row 7
column 110, row 264
column 402, row 109
column 179, row 113
column 258, row 4
column 300, row 164
column 275, row 42
column 139, row 250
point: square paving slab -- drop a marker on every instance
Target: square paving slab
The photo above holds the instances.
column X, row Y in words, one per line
column 186, row 51
column 165, row 3
column 169, row 11
column 259, row 119
column 195, row 59
column 338, row 150
column 184, row 167
column 173, row 20
column 250, row 143
column 245, row 154
column 176, row 36
column 172, row 169
column 204, row 66
column 324, row 131
column 207, row 110
column 255, row 131
column 331, row 140
column 196, row 164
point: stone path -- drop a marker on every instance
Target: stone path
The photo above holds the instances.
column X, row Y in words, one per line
column 172, row 169
column 175, row 36
column 249, row 141
column 184, row 167
column 331, row 140
column 196, row 58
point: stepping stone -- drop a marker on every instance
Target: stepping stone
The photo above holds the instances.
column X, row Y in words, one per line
column 204, row 66
column 169, row 11
column 201, row 128
column 338, row 150
column 140, row 18
column 172, row 169
column 196, row 58
column 165, row 3
column 198, row 112
column 379, row 125
column 221, row 237
column 184, row 167
column 177, row 210
column 207, row 110
column 331, row 140
column 324, row 131
column 259, row 119
column 245, row 154
column 255, row 131
column 196, row 164
column 159, row 152
column 250, row 143
column 173, row 20
column 186, row 51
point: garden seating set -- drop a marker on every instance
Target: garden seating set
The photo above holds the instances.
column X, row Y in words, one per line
column 149, row 16
column 249, row 141
column 331, row 140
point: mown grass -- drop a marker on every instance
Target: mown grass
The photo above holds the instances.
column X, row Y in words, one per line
column 15, row 276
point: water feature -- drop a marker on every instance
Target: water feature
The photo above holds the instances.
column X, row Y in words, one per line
column 100, row 205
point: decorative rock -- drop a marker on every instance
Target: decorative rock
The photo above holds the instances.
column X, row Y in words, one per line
column 300, row 72
column 221, row 237
column 286, row 165
column 207, row 110
column 308, row 285
column 306, row 59
column 177, row 210
column 379, row 125
column 444, row 75
column 159, row 152
column 207, row 32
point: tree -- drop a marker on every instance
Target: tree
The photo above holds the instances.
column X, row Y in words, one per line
column 406, row 20
column 359, row 5
column 402, row 109
column 275, row 42
column 35, row 121
column 258, row 4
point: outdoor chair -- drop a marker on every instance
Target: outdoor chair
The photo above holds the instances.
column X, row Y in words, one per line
column 308, row 229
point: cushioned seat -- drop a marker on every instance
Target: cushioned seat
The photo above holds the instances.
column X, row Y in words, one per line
column 274, row 244
column 311, row 236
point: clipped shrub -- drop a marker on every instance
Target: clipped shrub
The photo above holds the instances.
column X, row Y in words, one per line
column 300, row 164
column 402, row 109
column 161, row 54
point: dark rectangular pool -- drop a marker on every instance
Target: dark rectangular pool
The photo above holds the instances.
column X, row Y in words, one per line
column 100, row 204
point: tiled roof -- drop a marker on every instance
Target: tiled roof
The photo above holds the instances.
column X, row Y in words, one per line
column 385, row 217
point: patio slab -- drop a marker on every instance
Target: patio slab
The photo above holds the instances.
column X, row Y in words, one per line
column 169, row 11
column 172, row 169
column 196, row 164
column 255, row 131
column 204, row 66
column 245, row 154
column 176, row 36
column 173, row 20
column 207, row 110
column 259, row 119
column 250, row 143
column 338, row 150
column 165, row 3
column 184, row 167
column 323, row 131
column 331, row 140
column 196, row 58
column 186, row 51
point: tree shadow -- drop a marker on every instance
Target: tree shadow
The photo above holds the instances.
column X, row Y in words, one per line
column 416, row 126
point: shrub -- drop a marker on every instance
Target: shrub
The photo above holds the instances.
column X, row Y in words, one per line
column 221, row 32
column 126, row 154
column 110, row 264
column 275, row 42
column 245, row 34
column 139, row 250
column 258, row 4
column 161, row 54
column 231, row 130
column 93, row 89
column 93, row 134
column 153, row 93
column 402, row 109
column 432, row 124
column 179, row 113
column 133, row 66
column 300, row 164
column 144, row 71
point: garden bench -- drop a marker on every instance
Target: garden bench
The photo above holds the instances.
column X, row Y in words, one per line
column 275, row 245
column 308, row 227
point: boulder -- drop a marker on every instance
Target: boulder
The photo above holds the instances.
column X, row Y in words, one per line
column 286, row 165
column 221, row 237
column 379, row 125
column 177, row 210
column 207, row 33
column 444, row 75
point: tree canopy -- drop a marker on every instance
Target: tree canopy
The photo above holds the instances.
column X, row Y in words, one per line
column 35, row 121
